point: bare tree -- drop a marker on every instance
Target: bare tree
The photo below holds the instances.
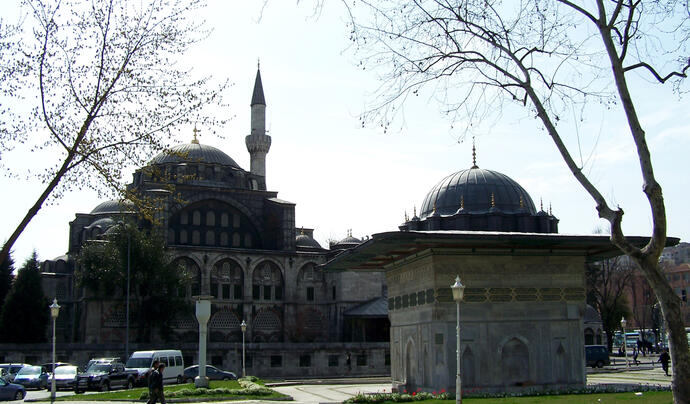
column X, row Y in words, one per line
column 606, row 292
column 99, row 84
column 552, row 57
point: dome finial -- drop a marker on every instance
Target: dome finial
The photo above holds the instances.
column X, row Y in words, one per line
column 414, row 211
column 541, row 204
column 196, row 131
column 550, row 211
column 258, row 63
column 474, row 155
column 462, row 201
column 493, row 200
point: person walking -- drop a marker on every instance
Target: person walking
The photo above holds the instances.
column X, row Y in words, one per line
column 664, row 358
column 156, row 386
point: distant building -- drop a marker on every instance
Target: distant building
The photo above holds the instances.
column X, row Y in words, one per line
column 240, row 244
column 679, row 278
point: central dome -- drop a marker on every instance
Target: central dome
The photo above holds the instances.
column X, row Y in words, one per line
column 476, row 190
column 194, row 153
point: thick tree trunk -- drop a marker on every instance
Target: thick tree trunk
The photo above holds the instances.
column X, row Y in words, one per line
column 673, row 317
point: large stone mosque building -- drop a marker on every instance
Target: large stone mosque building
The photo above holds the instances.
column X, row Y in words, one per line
column 241, row 246
column 377, row 306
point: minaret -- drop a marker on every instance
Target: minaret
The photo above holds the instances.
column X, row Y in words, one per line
column 258, row 142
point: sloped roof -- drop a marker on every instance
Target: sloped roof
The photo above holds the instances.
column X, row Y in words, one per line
column 374, row 308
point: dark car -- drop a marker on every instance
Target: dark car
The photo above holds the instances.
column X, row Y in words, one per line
column 65, row 376
column 11, row 391
column 12, row 369
column 104, row 376
column 32, row 377
column 597, row 356
column 212, row 372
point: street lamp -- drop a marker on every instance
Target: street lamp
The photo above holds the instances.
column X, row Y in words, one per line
column 243, row 326
column 458, row 291
column 54, row 311
column 625, row 342
column 129, row 242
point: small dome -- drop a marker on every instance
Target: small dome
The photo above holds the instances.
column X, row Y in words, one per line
column 194, row 153
column 113, row 206
column 476, row 191
column 350, row 240
column 303, row 240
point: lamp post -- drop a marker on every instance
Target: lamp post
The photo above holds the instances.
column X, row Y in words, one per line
column 129, row 242
column 458, row 292
column 54, row 311
column 625, row 343
column 243, row 326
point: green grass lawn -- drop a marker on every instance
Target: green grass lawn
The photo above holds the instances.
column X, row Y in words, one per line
column 135, row 394
column 652, row 397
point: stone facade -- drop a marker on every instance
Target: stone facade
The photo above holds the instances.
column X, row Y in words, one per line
column 239, row 244
column 520, row 322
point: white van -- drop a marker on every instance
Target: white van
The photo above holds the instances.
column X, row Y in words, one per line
column 141, row 361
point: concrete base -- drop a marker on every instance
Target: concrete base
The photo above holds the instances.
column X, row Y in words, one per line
column 201, row 382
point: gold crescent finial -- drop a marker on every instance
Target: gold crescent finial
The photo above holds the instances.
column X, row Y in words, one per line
column 493, row 201
column 541, row 204
column 462, row 201
column 196, row 131
column 522, row 202
column 474, row 155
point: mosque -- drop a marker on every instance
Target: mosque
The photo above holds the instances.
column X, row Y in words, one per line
column 380, row 306
column 241, row 246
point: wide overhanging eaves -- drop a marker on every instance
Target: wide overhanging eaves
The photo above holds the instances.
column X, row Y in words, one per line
column 383, row 249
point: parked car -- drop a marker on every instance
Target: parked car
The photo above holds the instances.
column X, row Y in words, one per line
column 104, row 360
column 597, row 356
column 50, row 366
column 32, row 377
column 212, row 372
column 12, row 369
column 104, row 376
column 65, row 377
column 11, row 391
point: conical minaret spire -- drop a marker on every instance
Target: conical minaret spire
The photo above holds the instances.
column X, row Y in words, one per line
column 258, row 142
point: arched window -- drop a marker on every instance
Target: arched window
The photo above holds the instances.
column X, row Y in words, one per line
column 196, row 237
column 224, row 239
column 210, row 218
column 224, row 220
column 267, row 282
column 191, row 274
column 183, row 237
column 210, row 237
column 196, row 218
column 227, row 280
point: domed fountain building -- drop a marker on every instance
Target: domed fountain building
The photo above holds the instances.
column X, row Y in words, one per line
column 521, row 316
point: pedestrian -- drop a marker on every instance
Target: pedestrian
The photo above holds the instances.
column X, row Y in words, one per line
column 147, row 376
column 636, row 353
column 348, row 361
column 664, row 358
column 156, row 386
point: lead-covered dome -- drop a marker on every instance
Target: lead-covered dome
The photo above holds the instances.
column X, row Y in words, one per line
column 194, row 153
column 114, row 206
column 476, row 190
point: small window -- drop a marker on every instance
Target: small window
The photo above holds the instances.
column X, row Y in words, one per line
column 333, row 292
column 163, row 360
column 332, row 360
column 178, row 361
column 276, row 361
column 305, row 361
column 256, row 292
column 238, row 292
column 310, row 294
column 267, row 292
column 226, row 292
column 362, row 360
column 279, row 293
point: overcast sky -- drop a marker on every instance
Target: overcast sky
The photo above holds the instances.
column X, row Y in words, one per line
column 342, row 176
